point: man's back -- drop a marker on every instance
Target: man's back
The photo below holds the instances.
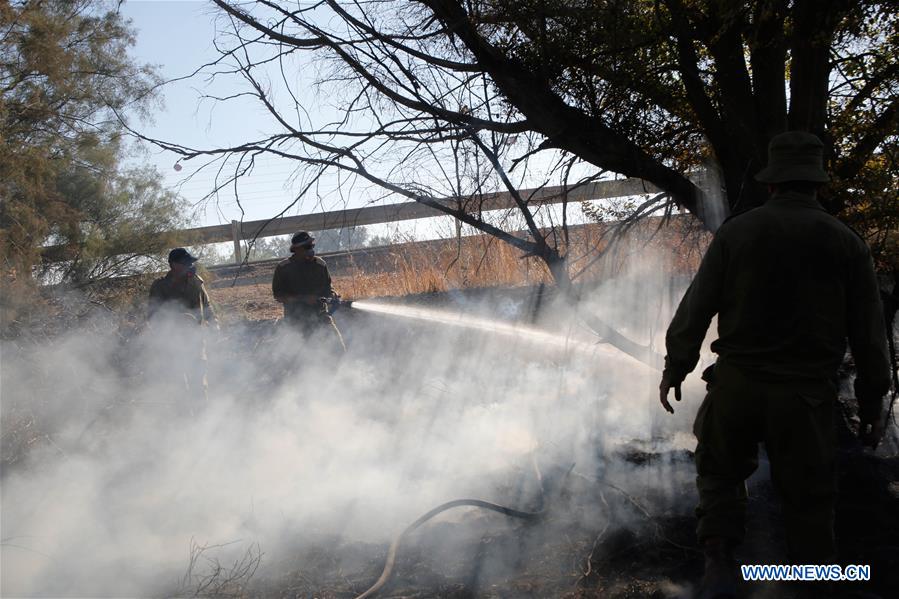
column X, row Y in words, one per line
column 792, row 273
column 789, row 283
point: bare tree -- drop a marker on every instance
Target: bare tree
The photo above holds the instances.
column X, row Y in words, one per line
column 424, row 144
column 459, row 99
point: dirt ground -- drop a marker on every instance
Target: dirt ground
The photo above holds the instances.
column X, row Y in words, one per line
column 250, row 302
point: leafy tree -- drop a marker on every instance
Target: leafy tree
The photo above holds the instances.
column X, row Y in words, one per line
column 338, row 240
column 684, row 80
column 331, row 240
column 379, row 241
column 266, row 248
column 65, row 81
column 123, row 221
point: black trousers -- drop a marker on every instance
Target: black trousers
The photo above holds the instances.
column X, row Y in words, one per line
column 794, row 419
column 319, row 327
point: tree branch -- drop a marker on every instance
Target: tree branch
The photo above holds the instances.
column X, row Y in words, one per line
column 569, row 128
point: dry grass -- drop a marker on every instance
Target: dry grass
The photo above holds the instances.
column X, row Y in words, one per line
column 455, row 264
column 482, row 261
column 408, row 269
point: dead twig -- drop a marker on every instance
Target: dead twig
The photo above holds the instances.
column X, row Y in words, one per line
column 639, row 507
column 589, row 569
column 219, row 580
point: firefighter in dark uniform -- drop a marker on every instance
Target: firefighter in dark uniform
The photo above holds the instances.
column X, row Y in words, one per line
column 181, row 289
column 302, row 284
column 180, row 297
column 789, row 283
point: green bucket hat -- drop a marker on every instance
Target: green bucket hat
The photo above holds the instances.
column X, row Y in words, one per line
column 794, row 156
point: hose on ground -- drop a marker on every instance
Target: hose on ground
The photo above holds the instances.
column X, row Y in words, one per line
column 391, row 553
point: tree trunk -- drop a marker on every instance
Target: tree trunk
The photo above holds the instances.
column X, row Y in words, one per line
column 558, row 268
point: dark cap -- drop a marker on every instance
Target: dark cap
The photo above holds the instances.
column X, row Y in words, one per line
column 302, row 238
column 794, row 156
column 181, row 256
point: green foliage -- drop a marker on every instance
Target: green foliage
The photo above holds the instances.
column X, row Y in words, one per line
column 331, row 240
column 612, row 60
column 65, row 75
column 121, row 215
column 865, row 128
column 66, row 83
column 267, row 248
column 338, row 240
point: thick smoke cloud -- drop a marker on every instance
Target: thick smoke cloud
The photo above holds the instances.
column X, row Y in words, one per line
column 296, row 447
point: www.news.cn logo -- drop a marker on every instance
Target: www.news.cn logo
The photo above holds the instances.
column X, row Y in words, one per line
column 806, row 573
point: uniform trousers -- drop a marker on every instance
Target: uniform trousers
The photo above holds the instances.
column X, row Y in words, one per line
column 794, row 419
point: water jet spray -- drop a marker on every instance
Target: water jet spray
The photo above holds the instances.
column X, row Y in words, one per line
column 520, row 332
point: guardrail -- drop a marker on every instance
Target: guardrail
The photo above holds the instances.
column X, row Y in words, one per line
column 238, row 231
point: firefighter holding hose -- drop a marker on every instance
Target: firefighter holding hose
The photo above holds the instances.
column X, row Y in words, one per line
column 302, row 284
column 789, row 284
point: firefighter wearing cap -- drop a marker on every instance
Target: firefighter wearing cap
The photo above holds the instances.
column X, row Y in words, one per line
column 180, row 296
column 181, row 289
column 789, row 284
column 301, row 283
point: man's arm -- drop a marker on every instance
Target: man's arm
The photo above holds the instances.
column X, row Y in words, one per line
column 328, row 285
column 868, row 344
column 156, row 299
column 694, row 314
column 691, row 321
column 208, row 312
column 279, row 287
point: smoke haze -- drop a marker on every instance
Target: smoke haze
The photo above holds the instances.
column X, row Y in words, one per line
column 128, row 472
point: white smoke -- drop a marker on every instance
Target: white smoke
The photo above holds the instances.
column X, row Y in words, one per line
column 130, row 471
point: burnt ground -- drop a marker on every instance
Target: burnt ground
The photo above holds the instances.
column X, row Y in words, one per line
column 597, row 540
column 580, row 550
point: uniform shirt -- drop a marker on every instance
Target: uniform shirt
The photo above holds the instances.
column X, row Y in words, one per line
column 789, row 283
column 186, row 295
column 298, row 276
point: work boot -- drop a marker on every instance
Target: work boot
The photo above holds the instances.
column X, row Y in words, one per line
column 720, row 578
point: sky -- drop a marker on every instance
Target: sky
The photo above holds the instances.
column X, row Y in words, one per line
column 177, row 38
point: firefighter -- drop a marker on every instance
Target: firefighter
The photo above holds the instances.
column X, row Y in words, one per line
column 302, row 284
column 182, row 290
column 178, row 303
column 789, row 283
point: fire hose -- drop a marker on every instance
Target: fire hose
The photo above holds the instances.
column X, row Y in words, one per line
column 390, row 562
column 394, row 546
